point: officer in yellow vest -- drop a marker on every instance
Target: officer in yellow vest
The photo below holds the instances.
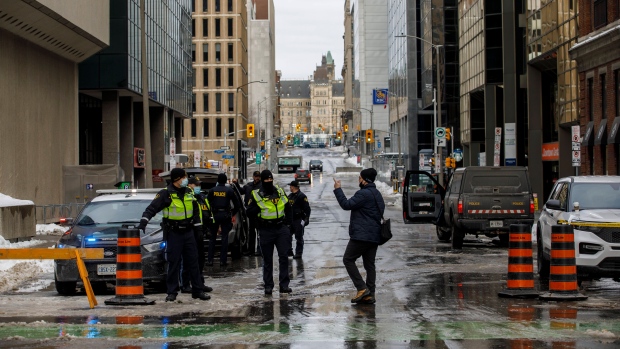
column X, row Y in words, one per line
column 181, row 217
column 273, row 213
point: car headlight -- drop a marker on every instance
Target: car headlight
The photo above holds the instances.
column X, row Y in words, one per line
column 59, row 245
column 591, row 229
column 155, row 246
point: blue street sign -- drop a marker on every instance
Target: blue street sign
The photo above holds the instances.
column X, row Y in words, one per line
column 379, row 144
column 226, row 156
column 263, row 151
column 380, row 96
column 511, row 162
column 218, row 151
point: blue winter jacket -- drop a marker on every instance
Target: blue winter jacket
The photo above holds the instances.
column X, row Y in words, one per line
column 365, row 212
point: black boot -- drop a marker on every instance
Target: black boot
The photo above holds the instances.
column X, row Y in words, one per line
column 202, row 296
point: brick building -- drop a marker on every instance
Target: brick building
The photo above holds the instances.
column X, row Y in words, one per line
column 597, row 53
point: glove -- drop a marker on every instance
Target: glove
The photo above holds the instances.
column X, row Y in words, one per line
column 142, row 225
column 302, row 222
column 306, row 222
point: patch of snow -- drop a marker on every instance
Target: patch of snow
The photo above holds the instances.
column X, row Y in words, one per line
column 6, row 201
column 14, row 272
column 51, row 229
column 602, row 333
column 352, row 161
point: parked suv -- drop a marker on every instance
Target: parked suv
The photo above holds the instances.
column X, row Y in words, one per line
column 591, row 204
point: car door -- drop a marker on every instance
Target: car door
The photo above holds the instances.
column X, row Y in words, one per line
column 422, row 198
column 548, row 216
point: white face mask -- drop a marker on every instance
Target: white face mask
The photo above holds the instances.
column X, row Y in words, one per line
column 184, row 182
column 197, row 190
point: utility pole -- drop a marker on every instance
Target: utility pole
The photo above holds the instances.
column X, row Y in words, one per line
column 440, row 175
column 148, row 178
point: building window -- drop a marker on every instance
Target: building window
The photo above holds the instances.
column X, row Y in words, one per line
column 590, row 99
column 230, row 5
column 193, row 52
column 218, row 127
column 218, row 52
column 194, row 77
column 217, row 27
column 193, row 27
column 600, row 13
column 231, row 125
column 193, row 5
column 218, row 102
column 194, row 102
column 603, row 97
column 218, row 77
column 205, row 124
column 217, row 5
column 205, row 27
column 205, row 52
column 231, row 77
column 205, row 77
column 231, row 52
column 205, row 103
column 205, row 5
column 193, row 128
column 231, row 102
column 230, row 26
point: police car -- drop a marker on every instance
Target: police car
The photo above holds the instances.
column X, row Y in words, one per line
column 97, row 225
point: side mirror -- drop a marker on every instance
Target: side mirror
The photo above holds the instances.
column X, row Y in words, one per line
column 66, row 222
column 553, row 205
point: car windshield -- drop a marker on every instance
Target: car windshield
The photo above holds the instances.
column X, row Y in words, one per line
column 315, row 162
column 596, row 195
column 115, row 212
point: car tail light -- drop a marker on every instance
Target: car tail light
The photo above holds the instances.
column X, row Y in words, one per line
column 460, row 207
column 531, row 206
column 67, row 232
column 295, row 175
column 63, row 221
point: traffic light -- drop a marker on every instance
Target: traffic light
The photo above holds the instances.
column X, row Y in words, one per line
column 250, row 130
column 368, row 136
column 432, row 161
column 298, row 127
column 338, row 134
column 288, row 137
column 448, row 162
column 262, row 143
column 305, row 129
column 448, row 136
column 320, row 126
column 453, row 162
column 346, row 128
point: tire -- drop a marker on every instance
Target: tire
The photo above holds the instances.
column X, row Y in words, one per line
column 65, row 288
column 457, row 236
column 99, row 287
column 504, row 239
column 542, row 263
column 443, row 235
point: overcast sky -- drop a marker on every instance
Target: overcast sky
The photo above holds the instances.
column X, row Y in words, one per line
column 305, row 31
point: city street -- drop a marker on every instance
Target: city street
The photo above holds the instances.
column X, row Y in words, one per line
column 427, row 296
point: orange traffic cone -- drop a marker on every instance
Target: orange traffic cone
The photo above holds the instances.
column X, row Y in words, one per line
column 520, row 283
column 563, row 271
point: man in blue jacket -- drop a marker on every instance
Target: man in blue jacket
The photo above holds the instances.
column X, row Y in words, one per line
column 366, row 208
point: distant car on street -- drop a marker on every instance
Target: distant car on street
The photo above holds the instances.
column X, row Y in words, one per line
column 303, row 175
column 316, row 165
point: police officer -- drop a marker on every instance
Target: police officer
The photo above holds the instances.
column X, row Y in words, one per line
column 301, row 217
column 181, row 216
column 206, row 218
column 273, row 214
column 220, row 197
column 247, row 192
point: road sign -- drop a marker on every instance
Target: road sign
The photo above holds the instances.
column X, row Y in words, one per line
column 234, row 168
column 440, row 142
column 576, row 158
column 246, row 149
column 227, row 156
column 421, row 162
column 458, row 154
column 218, row 151
column 437, row 163
column 379, row 144
column 225, row 147
column 258, row 160
column 90, row 186
column 440, row 132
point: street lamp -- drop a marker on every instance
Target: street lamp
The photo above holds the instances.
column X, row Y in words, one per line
column 436, row 122
column 236, row 153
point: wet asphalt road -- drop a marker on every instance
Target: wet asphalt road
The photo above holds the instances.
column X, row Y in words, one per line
column 427, row 297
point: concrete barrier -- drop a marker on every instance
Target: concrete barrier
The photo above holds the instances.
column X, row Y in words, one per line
column 17, row 222
column 348, row 169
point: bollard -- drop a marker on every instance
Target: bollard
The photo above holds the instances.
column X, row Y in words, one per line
column 129, row 287
column 520, row 283
column 563, row 270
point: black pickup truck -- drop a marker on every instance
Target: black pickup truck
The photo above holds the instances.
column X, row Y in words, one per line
column 477, row 200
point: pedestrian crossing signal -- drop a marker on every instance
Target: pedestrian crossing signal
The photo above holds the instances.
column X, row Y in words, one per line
column 346, row 128
column 448, row 134
column 368, row 136
column 338, row 134
column 250, row 130
column 298, row 127
column 432, row 161
column 288, row 137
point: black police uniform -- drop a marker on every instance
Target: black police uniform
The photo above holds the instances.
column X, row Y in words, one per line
column 273, row 234
column 220, row 198
column 301, row 212
column 247, row 192
column 180, row 241
column 207, row 219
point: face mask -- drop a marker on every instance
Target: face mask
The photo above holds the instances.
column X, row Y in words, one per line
column 268, row 187
column 184, row 182
column 197, row 190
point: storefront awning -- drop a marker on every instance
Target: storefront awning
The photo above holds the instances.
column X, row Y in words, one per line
column 588, row 138
column 601, row 134
column 614, row 135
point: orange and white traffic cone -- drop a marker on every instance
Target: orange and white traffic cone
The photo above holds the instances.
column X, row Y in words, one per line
column 520, row 283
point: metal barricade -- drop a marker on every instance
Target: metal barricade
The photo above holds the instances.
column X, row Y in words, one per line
column 52, row 213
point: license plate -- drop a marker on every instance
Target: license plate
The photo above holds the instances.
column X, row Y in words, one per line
column 106, row 269
column 423, row 212
column 496, row 224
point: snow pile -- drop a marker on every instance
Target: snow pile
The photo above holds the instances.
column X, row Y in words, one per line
column 15, row 272
column 351, row 161
column 6, row 201
column 390, row 198
column 51, row 229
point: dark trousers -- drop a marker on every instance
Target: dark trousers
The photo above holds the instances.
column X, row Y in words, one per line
column 181, row 248
column 368, row 251
column 280, row 238
column 297, row 230
column 200, row 249
column 253, row 235
column 226, row 225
